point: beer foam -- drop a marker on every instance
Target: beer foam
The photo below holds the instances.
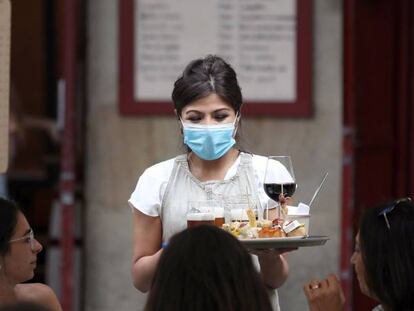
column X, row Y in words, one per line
column 238, row 214
column 200, row 216
column 219, row 212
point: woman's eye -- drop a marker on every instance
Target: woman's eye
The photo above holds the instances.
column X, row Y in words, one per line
column 221, row 117
column 27, row 240
column 194, row 119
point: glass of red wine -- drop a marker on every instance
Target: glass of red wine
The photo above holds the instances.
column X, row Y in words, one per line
column 279, row 177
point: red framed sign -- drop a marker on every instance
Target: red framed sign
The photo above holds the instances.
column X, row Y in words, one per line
column 268, row 43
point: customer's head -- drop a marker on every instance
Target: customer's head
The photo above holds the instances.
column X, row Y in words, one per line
column 23, row 306
column 18, row 247
column 384, row 254
column 206, row 76
column 206, row 268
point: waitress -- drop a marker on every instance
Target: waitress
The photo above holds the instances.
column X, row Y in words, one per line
column 207, row 100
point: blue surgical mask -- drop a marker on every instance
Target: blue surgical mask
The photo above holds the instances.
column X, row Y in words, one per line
column 209, row 142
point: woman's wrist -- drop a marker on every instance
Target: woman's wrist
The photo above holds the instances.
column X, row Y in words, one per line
column 269, row 256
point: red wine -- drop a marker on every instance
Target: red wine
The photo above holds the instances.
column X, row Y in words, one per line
column 273, row 190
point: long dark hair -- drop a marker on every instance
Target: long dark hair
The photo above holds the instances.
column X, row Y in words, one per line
column 388, row 254
column 9, row 211
column 24, row 306
column 206, row 268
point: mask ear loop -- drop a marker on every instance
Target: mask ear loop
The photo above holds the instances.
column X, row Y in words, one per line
column 181, row 126
column 180, row 121
column 236, row 123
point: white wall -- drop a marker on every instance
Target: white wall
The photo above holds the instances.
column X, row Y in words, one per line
column 120, row 148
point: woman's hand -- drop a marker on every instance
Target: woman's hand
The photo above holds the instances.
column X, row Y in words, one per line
column 324, row 295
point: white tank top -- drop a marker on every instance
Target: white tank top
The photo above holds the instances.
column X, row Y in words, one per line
column 184, row 187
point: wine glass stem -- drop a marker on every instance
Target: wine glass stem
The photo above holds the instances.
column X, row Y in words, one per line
column 279, row 206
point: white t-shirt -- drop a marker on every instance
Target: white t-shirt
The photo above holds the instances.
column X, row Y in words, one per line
column 150, row 189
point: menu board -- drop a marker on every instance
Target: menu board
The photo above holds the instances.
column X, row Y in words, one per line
column 256, row 37
column 4, row 81
column 259, row 38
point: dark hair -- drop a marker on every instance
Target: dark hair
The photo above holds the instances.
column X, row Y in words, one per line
column 388, row 254
column 206, row 268
column 8, row 220
column 23, row 306
column 205, row 76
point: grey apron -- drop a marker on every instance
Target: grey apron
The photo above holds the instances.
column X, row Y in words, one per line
column 183, row 187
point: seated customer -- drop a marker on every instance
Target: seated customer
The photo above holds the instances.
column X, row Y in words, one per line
column 23, row 306
column 206, row 268
column 383, row 261
column 18, row 254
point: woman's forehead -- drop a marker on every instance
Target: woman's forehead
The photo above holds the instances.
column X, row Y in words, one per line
column 22, row 225
column 209, row 103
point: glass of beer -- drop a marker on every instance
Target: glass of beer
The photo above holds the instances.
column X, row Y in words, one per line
column 219, row 216
column 200, row 213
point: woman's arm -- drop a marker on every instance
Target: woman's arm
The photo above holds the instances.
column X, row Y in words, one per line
column 273, row 267
column 146, row 249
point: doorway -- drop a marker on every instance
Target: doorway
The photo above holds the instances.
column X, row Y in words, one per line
column 378, row 113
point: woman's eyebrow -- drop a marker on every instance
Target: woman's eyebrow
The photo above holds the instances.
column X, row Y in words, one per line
column 222, row 110
column 24, row 234
column 214, row 111
column 193, row 111
column 27, row 232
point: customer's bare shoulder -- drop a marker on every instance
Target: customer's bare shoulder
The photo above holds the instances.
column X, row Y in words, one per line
column 38, row 293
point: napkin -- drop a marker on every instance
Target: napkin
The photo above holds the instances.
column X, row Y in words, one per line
column 301, row 209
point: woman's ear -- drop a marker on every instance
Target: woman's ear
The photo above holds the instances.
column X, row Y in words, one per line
column 179, row 121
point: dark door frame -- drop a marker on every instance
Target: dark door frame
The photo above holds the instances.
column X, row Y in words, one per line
column 378, row 147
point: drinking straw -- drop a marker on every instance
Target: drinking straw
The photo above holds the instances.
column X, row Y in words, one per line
column 318, row 189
